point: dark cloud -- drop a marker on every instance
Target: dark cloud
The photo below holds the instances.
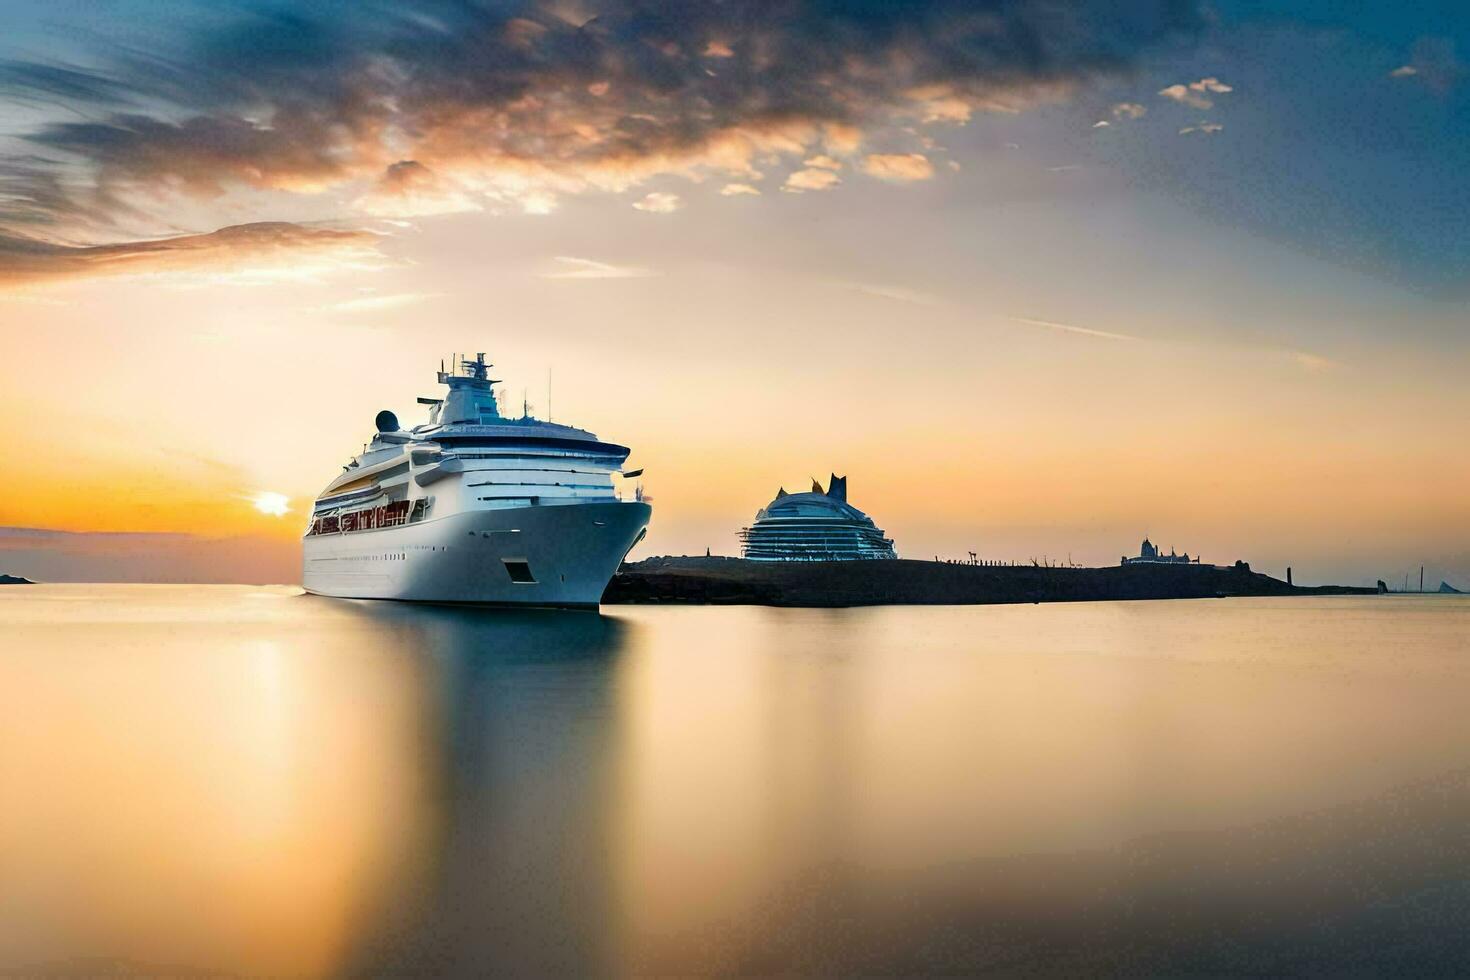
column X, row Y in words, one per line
column 24, row 261
column 59, row 82
column 510, row 97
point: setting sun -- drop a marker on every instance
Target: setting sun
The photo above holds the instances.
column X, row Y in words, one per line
column 274, row 504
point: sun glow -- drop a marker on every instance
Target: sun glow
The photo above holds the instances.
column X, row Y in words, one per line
column 274, row 504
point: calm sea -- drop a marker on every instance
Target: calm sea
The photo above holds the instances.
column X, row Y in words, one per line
column 251, row 781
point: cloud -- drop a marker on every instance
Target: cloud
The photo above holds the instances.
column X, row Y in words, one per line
column 1434, row 63
column 1312, row 363
column 410, row 189
column 1100, row 124
column 1069, row 328
column 824, row 161
column 900, row 167
column 242, row 254
column 374, row 304
column 811, row 179
column 1129, row 110
column 1194, row 94
column 1204, row 128
column 1181, row 93
column 397, row 111
column 659, row 202
column 731, row 190
column 572, row 267
column 901, row 294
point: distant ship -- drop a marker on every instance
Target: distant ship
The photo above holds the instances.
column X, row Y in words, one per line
column 474, row 507
column 816, row 526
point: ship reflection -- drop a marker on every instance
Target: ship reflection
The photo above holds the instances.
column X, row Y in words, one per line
column 249, row 782
column 510, row 868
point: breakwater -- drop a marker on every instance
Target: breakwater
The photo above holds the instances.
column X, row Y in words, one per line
column 735, row 581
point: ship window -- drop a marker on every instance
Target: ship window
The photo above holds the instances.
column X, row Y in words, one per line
column 520, row 571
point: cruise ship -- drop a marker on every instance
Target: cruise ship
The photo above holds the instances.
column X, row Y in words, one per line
column 816, row 526
column 475, row 507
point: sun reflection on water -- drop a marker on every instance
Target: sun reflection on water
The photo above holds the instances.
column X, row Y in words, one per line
column 255, row 781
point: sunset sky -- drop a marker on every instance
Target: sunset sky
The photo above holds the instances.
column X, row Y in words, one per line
column 1040, row 277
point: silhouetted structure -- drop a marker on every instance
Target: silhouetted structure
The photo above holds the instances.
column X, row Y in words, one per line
column 736, row 581
column 1149, row 553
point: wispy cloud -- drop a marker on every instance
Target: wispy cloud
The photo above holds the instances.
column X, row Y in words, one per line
column 901, row 294
column 262, row 253
column 1313, row 363
column 811, row 179
column 898, row 167
column 1206, row 128
column 1196, row 94
column 659, row 202
column 572, row 267
column 1433, row 63
column 1129, row 110
column 1074, row 329
column 824, row 161
column 732, row 190
column 410, row 189
column 374, row 304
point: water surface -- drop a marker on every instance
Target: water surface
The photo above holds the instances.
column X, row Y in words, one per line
column 251, row 781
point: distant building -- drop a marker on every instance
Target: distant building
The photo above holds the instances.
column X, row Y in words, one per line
column 1149, row 554
column 816, row 526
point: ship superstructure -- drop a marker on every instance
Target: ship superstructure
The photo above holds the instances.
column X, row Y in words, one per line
column 816, row 526
column 474, row 506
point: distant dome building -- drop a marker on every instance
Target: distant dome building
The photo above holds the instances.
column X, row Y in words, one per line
column 816, row 526
column 1149, row 554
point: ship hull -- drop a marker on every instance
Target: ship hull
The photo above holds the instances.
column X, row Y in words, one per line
column 539, row 555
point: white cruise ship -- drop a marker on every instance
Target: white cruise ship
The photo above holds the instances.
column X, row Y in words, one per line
column 474, row 507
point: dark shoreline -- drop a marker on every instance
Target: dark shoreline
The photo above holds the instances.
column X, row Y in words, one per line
column 734, row 581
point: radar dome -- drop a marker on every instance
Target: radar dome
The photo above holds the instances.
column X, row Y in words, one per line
column 386, row 421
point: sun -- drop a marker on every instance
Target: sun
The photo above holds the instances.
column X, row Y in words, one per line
column 274, row 504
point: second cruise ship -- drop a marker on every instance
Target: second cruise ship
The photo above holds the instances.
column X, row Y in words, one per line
column 474, row 507
column 816, row 526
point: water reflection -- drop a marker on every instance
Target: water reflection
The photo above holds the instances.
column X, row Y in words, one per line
column 514, row 870
column 203, row 783
column 255, row 782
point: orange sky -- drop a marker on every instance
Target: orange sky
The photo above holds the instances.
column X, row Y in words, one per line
column 171, row 400
column 1028, row 308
